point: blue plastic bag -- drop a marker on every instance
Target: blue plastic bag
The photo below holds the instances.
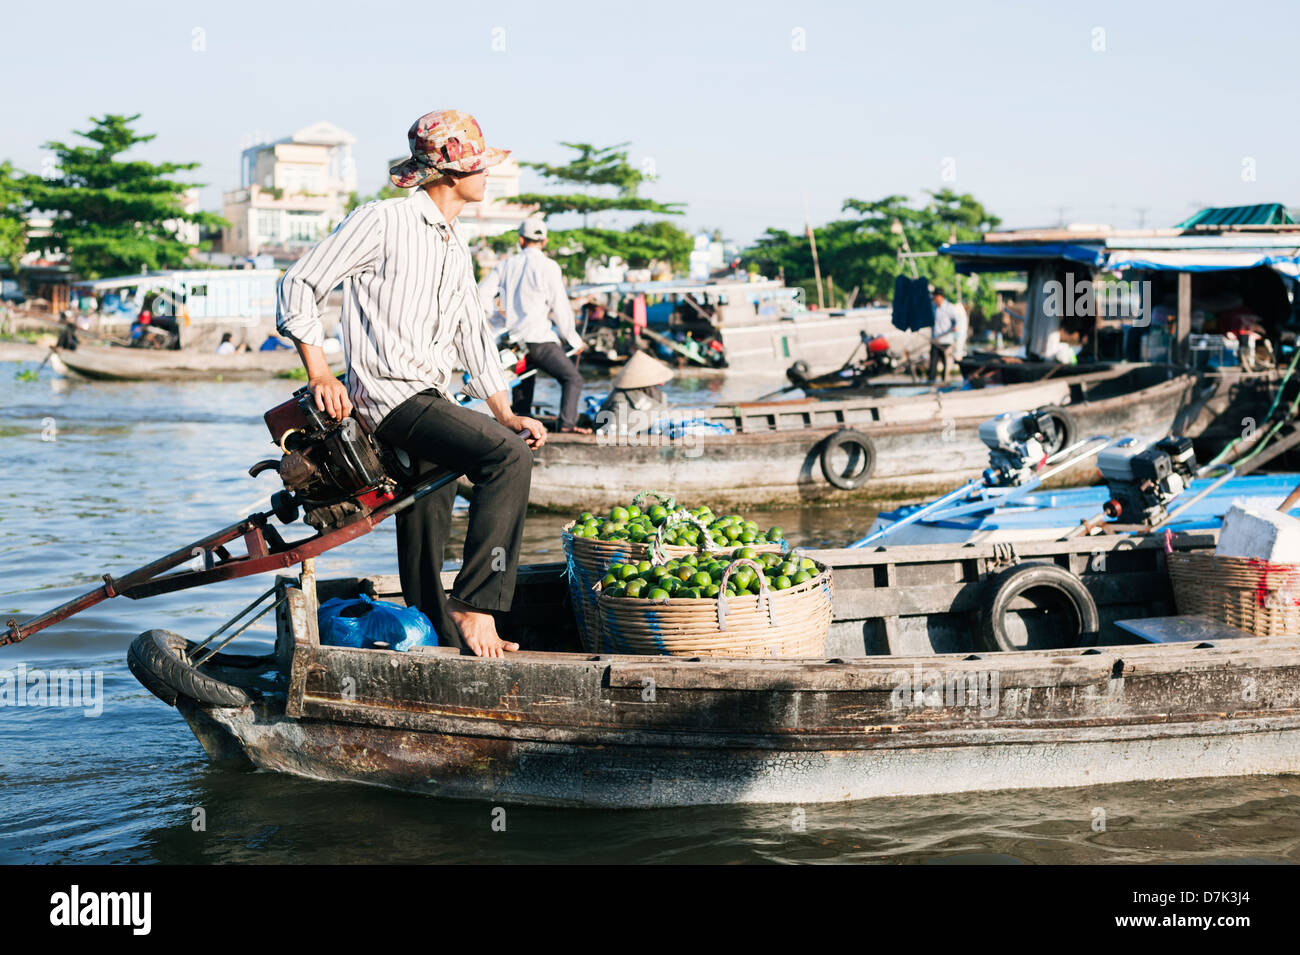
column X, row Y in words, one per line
column 363, row 622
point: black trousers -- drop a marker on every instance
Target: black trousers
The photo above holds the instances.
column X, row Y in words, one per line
column 441, row 434
column 550, row 358
column 940, row 354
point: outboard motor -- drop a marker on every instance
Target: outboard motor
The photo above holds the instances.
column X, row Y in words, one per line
column 328, row 467
column 1143, row 480
column 1017, row 446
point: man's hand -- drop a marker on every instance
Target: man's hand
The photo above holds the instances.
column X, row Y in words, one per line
column 331, row 396
column 499, row 405
column 536, row 430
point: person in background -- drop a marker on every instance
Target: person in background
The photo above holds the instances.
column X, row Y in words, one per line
column 536, row 311
column 227, row 346
column 948, row 336
column 637, row 390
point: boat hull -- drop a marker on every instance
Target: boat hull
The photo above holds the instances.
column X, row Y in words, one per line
column 141, row 364
column 923, row 446
column 880, row 764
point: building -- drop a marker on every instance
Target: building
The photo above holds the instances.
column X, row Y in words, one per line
column 292, row 192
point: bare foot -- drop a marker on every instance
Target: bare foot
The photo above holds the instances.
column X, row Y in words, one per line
column 575, row 431
column 479, row 630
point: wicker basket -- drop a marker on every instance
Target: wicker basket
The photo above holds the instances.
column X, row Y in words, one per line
column 1252, row 595
column 589, row 560
column 774, row 623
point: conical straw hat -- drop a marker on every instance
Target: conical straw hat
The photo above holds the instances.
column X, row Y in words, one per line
column 642, row 371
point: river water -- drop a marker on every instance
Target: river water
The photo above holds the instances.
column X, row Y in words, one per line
column 98, row 477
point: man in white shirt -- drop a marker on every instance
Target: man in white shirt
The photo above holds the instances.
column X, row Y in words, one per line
column 537, row 312
column 948, row 336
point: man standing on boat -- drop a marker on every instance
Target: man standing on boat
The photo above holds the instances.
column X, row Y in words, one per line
column 410, row 315
column 537, row 313
column 948, row 336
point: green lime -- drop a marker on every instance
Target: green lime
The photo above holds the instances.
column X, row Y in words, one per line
column 658, row 593
column 711, row 590
column 658, row 515
column 782, row 583
column 634, row 588
column 607, row 580
column 633, row 510
column 618, row 514
column 626, row 570
column 789, row 568
column 775, row 533
column 747, row 537
column 701, row 579
column 746, row 552
column 616, row 591
column 800, row 577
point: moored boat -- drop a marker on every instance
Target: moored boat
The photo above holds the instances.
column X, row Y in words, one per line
column 105, row 363
column 906, row 701
column 826, row 452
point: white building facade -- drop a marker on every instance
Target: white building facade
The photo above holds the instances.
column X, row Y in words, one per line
column 292, row 192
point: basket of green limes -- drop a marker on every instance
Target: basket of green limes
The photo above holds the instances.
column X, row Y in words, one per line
column 744, row 604
column 592, row 543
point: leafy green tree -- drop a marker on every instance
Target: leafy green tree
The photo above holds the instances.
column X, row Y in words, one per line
column 606, row 182
column 109, row 214
column 13, row 223
column 863, row 250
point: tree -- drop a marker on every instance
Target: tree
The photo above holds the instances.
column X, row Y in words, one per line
column 110, row 216
column 606, row 168
column 13, row 222
column 863, row 250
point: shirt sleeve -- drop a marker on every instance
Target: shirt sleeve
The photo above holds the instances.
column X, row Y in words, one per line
column 476, row 345
column 352, row 248
column 561, row 311
column 488, row 289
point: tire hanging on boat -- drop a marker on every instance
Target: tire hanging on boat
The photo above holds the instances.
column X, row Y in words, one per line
column 849, row 439
column 158, row 660
column 1070, row 608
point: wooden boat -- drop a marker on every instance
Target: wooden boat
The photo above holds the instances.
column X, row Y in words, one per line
column 103, row 363
column 783, row 452
column 905, row 702
column 990, row 368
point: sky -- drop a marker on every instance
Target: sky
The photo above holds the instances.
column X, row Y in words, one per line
column 1121, row 113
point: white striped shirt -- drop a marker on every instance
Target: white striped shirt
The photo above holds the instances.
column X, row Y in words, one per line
column 410, row 305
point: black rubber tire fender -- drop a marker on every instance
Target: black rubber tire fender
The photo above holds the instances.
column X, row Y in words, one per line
column 1067, row 429
column 1004, row 587
column 841, row 438
column 158, row 658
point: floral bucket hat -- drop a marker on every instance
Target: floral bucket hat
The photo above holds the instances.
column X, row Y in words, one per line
column 446, row 140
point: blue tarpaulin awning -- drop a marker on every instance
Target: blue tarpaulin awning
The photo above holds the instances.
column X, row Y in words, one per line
column 971, row 257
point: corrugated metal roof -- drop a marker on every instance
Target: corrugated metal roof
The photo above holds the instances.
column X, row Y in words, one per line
column 1268, row 213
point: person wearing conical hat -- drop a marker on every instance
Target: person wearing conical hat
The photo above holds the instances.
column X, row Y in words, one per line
column 637, row 389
